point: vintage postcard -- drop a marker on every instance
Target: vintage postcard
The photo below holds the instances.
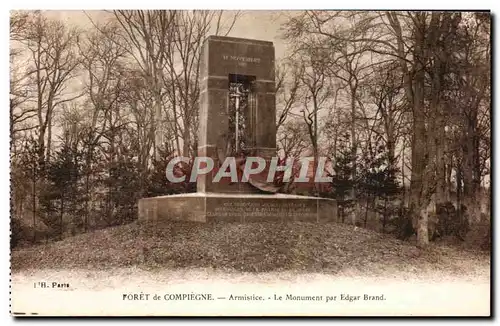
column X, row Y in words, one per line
column 250, row 163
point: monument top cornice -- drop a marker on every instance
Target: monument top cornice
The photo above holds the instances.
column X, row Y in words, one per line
column 239, row 40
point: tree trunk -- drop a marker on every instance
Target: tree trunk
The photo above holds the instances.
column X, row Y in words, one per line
column 366, row 212
column 186, row 141
column 61, row 218
column 356, row 208
column 439, row 149
column 459, row 178
column 88, row 171
column 449, row 168
column 423, row 227
column 469, row 188
column 420, row 153
column 403, row 199
column 158, row 131
column 314, row 140
column 49, row 137
column 41, row 150
column 384, row 221
column 34, row 198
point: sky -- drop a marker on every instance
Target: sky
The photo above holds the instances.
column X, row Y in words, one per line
column 256, row 24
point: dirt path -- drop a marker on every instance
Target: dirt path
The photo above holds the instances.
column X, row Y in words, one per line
column 102, row 293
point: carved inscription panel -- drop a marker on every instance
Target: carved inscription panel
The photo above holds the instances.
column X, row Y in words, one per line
column 275, row 209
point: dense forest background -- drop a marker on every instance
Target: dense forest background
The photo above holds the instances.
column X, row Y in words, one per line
column 398, row 101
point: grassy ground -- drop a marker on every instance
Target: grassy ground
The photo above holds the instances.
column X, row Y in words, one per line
column 253, row 247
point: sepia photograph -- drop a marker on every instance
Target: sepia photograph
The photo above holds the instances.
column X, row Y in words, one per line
column 272, row 163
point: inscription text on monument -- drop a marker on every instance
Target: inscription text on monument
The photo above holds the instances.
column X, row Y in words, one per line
column 276, row 209
column 241, row 59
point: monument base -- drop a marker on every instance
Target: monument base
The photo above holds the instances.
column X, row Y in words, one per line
column 218, row 207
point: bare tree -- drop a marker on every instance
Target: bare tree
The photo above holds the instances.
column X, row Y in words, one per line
column 166, row 46
column 102, row 58
column 288, row 84
column 20, row 114
column 421, row 46
column 182, row 58
column 147, row 33
column 52, row 47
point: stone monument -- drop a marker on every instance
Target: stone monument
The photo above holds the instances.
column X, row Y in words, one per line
column 237, row 118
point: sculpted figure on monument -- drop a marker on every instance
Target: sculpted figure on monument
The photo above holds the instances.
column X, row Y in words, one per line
column 238, row 141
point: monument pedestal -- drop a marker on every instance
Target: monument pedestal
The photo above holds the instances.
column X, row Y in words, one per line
column 217, row 207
